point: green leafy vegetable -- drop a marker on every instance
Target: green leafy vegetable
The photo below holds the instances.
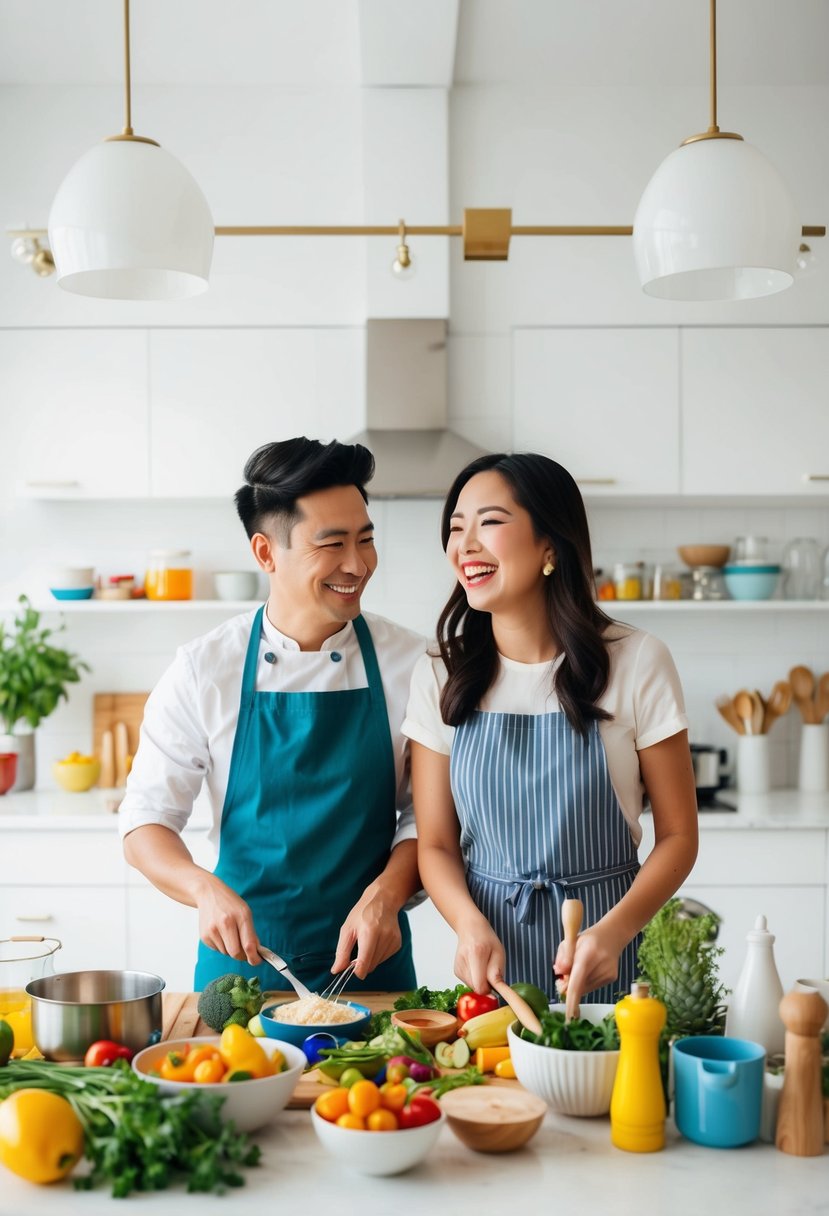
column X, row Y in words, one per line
column 444, row 999
column 135, row 1138
column 441, row 1085
column 230, row 1000
column 679, row 962
column 576, row 1035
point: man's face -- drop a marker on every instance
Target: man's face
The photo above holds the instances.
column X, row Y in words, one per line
column 320, row 577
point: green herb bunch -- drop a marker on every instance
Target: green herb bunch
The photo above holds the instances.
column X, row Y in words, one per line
column 135, row 1138
column 679, row 962
column 33, row 672
column 576, row 1035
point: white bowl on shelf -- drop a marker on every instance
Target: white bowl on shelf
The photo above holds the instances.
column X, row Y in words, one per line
column 236, row 584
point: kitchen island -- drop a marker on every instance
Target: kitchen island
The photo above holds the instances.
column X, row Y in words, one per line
column 569, row 1166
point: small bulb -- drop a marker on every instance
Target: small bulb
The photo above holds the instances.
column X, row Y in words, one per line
column 403, row 267
column 23, row 249
column 43, row 263
column 806, row 262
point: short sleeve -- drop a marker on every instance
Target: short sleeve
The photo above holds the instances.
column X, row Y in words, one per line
column 423, row 722
column 659, row 704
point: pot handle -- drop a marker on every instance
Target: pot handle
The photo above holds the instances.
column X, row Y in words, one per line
column 719, row 1074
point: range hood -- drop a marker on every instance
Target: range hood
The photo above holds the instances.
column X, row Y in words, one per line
column 416, row 454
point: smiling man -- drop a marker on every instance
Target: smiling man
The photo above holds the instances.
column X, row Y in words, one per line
column 290, row 715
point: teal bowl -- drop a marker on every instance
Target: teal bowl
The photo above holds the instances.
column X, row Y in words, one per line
column 72, row 593
column 751, row 582
column 296, row 1033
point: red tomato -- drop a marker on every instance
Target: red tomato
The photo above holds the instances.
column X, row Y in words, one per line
column 473, row 1003
column 105, row 1052
column 419, row 1111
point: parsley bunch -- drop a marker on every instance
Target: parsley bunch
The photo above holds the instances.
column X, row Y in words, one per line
column 135, row 1138
column 576, row 1035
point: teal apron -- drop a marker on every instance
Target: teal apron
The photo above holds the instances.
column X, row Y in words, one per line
column 308, row 822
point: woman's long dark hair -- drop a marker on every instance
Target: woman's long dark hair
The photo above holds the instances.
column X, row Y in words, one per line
column 551, row 497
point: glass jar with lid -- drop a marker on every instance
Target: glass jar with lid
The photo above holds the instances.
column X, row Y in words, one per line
column 169, row 575
column 627, row 579
column 802, row 569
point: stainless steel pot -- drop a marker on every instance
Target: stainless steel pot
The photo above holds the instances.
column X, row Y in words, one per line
column 75, row 1009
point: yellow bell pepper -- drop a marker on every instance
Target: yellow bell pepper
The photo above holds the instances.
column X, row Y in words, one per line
column 41, row 1137
column 242, row 1053
column 505, row 1069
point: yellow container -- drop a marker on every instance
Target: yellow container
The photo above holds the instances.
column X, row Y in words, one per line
column 77, row 776
column 637, row 1106
column 22, row 959
column 169, row 575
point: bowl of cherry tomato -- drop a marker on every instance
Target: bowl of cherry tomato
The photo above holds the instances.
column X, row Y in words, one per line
column 256, row 1077
column 377, row 1129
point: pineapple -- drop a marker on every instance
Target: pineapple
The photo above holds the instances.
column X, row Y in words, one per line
column 679, row 962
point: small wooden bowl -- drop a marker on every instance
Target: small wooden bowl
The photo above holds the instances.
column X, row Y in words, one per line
column 492, row 1119
column 432, row 1025
column 704, row 555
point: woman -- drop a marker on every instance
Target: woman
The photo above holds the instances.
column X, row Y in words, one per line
column 536, row 735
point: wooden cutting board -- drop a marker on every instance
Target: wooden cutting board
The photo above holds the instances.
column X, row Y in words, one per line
column 111, row 707
column 182, row 1021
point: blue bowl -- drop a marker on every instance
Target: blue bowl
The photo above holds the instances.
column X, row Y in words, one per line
column 72, row 593
column 751, row 582
column 294, row 1033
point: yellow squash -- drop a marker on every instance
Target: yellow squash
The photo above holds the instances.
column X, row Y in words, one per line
column 41, row 1137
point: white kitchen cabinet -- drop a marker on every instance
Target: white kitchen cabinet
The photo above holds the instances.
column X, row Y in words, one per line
column 75, row 413
column 217, row 395
column 89, row 921
column 754, row 416
column 603, row 403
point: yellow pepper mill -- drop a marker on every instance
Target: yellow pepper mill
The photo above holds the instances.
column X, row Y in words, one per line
column 637, row 1107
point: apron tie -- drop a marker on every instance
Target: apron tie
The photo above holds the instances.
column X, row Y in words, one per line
column 524, row 892
column 523, row 897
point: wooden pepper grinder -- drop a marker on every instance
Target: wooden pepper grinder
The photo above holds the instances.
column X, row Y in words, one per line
column 800, row 1114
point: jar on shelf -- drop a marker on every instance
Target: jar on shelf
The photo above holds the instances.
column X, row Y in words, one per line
column 169, row 575
column 802, row 569
column 627, row 579
column 666, row 582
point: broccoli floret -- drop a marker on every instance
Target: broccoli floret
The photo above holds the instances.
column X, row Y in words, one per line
column 230, row 1000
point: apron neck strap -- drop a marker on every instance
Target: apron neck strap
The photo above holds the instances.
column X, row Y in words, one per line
column 252, row 655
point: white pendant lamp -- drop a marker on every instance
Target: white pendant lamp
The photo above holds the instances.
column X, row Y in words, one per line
column 129, row 222
column 716, row 220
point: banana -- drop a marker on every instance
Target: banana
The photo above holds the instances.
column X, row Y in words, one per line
column 488, row 1029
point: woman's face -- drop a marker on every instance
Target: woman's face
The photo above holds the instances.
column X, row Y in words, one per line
column 492, row 548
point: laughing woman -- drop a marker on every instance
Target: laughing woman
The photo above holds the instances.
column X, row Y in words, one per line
column 537, row 734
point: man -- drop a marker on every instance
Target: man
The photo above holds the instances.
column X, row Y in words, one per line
column 291, row 715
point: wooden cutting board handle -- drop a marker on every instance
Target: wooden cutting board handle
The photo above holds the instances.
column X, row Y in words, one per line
column 107, row 778
column 800, row 1114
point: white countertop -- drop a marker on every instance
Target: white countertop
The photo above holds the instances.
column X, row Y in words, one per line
column 50, row 809
column 569, row 1166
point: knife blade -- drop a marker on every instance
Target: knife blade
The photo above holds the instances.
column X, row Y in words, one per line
column 279, row 964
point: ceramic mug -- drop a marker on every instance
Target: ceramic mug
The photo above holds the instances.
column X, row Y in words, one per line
column 753, row 764
column 718, row 1085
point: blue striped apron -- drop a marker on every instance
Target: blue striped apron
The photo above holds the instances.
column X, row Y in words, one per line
column 540, row 822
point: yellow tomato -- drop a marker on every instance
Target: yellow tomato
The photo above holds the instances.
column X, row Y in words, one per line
column 207, row 1051
column 363, row 1098
column 41, row 1137
column 382, row 1120
column 353, row 1121
column 393, row 1097
column 209, row 1072
column 332, row 1105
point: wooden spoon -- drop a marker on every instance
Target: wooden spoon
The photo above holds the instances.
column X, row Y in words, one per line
column 822, row 697
column 572, row 911
column 758, row 713
column 725, row 706
column 744, row 708
column 778, row 704
column 525, row 1013
column 803, row 691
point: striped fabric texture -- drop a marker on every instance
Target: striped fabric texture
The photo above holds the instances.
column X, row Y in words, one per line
column 540, row 821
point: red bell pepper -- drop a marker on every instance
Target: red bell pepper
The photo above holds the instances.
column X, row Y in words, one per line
column 105, row 1052
column 473, row 1003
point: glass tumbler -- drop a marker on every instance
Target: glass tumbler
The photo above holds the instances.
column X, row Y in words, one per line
column 802, row 569
column 23, row 959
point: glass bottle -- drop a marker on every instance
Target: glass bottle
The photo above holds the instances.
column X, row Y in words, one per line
column 802, row 570
column 169, row 575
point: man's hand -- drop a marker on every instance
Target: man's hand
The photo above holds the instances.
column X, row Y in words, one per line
column 372, row 924
column 226, row 922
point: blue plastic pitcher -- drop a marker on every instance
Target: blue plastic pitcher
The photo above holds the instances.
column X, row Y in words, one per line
column 718, row 1090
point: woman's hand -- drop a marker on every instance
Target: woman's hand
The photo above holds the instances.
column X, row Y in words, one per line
column 226, row 922
column 480, row 957
column 591, row 963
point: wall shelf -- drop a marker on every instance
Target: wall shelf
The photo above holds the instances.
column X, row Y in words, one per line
column 132, row 606
column 614, row 608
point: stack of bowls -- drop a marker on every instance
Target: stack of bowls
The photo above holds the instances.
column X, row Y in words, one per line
column 751, row 580
column 72, row 582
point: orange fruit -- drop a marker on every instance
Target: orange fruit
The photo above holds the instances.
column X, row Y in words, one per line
column 363, row 1098
column 382, row 1121
column 393, row 1097
column 332, row 1104
column 352, row 1121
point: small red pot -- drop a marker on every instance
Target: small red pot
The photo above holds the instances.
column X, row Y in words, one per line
column 8, row 770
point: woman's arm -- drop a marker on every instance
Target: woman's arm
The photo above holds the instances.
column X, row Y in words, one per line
column 668, row 777
column 480, row 956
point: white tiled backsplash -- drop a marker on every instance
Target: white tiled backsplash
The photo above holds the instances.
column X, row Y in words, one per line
column 715, row 652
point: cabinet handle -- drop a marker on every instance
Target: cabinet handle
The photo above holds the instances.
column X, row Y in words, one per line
column 44, row 917
column 52, row 485
column 816, row 476
column 596, row 481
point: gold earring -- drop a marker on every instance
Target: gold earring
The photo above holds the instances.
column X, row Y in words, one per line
column 548, row 568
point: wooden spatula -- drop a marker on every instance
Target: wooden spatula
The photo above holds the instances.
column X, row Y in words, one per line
column 524, row 1012
column 572, row 911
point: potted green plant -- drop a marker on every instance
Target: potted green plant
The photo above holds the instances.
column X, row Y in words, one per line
column 34, row 675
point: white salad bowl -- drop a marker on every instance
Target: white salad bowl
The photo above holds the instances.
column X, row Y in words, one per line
column 572, row 1082
column 378, row 1153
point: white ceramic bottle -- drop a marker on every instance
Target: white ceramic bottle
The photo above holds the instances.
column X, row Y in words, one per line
column 753, row 1011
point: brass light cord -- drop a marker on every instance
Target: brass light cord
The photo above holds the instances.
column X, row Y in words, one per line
column 127, row 78
column 712, row 67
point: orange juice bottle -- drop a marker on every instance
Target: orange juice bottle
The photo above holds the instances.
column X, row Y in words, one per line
column 637, row 1107
column 169, row 575
column 16, row 1009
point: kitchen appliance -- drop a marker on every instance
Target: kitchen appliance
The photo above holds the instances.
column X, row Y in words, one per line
column 709, row 775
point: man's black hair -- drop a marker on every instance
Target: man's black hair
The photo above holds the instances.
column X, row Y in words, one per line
column 277, row 474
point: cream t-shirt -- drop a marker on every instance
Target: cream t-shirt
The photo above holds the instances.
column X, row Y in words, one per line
column 643, row 694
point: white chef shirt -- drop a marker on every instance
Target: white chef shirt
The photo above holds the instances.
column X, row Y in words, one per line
column 191, row 715
column 643, row 694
